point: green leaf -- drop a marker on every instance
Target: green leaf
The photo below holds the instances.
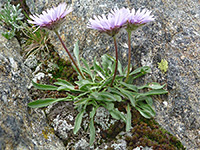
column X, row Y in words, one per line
column 118, row 98
column 107, row 95
column 78, row 121
column 120, row 68
column 81, row 95
column 106, row 82
column 107, row 63
column 155, row 85
column 92, row 132
column 116, row 114
column 115, row 91
column 87, row 69
column 76, row 54
column 81, row 101
column 140, row 72
column 83, row 82
column 41, row 103
column 84, row 85
column 68, row 88
column 145, row 110
column 152, row 85
column 62, row 82
column 152, row 92
column 148, row 99
column 92, row 113
column 128, row 119
column 109, row 106
column 45, row 102
column 130, row 86
column 98, row 69
column 103, row 96
column 128, row 95
column 91, row 125
column 44, row 87
column 143, row 70
column 125, row 70
column 94, row 88
column 113, row 67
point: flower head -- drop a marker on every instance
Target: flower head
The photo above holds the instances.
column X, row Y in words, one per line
column 51, row 18
column 110, row 24
column 136, row 19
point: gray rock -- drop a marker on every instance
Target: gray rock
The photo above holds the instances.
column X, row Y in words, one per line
column 119, row 145
column 142, row 148
column 173, row 36
column 82, row 144
column 103, row 118
column 20, row 126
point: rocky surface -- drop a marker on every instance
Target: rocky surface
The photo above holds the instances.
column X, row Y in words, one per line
column 20, row 126
column 174, row 36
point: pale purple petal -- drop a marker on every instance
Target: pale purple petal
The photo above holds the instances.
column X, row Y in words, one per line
column 140, row 16
column 51, row 17
column 67, row 11
column 110, row 24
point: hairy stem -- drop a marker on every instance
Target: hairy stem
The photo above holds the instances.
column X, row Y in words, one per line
column 129, row 55
column 116, row 65
column 72, row 59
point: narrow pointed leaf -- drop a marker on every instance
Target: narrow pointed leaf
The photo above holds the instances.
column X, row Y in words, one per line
column 115, row 91
column 128, row 119
column 128, row 95
column 76, row 54
column 144, row 70
column 87, row 69
column 81, row 101
column 130, row 86
column 148, row 99
column 153, row 92
column 44, row 87
column 98, row 69
column 62, row 82
column 152, row 85
column 78, row 121
column 106, row 62
column 91, row 125
column 116, row 114
column 145, row 110
column 46, row 102
column 120, row 68
column 106, row 82
column 92, row 131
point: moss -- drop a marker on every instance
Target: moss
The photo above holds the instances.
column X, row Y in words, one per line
column 117, row 127
column 64, row 69
column 147, row 132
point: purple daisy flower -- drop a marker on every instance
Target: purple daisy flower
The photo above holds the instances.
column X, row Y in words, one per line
column 52, row 18
column 110, row 24
column 139, row 18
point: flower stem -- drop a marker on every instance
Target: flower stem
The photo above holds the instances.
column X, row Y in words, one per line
column 72, row 59
column 116, row 65
column 129, row 55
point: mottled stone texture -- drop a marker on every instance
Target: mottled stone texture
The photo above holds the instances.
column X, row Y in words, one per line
column 173, row 36
column 20, row 126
